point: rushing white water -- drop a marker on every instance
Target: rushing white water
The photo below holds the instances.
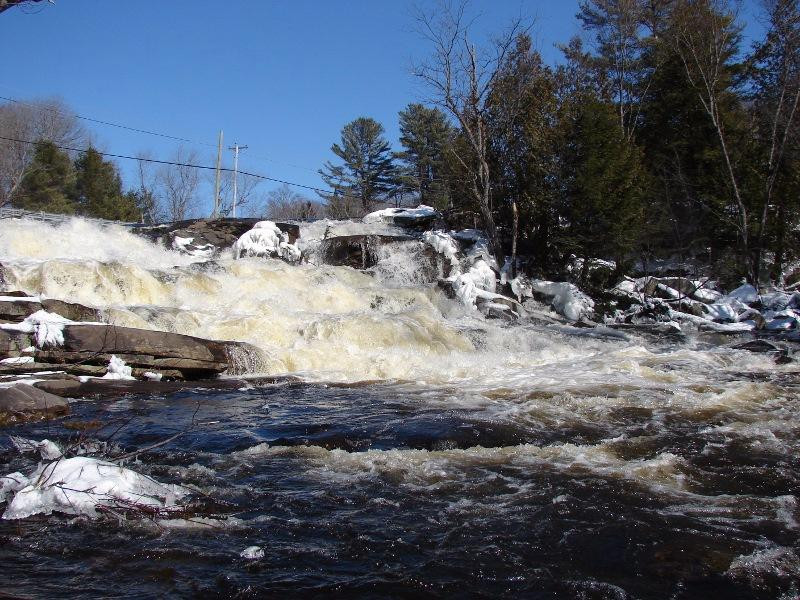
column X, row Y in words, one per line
column 521, row 436
column 327, row 323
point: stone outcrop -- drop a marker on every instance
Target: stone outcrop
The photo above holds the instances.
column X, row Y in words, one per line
column 23, row 402
column 88, row 347
column 206, row 237
column 14, row 311
column 87, row 350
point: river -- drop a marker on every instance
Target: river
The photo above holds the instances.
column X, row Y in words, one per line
column 422, row 450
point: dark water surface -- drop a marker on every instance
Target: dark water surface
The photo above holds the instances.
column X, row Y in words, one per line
column 381, row 490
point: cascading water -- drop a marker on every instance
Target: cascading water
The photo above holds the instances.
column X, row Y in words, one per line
column 424, row 450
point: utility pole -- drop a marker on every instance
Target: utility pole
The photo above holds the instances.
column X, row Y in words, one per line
column 215, row 214
column 235, row 148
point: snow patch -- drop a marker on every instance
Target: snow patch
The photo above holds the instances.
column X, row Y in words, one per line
column 117, row 369
column 84, row 486
column 17, row 360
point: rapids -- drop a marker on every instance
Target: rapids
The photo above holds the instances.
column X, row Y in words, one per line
column 425, row 450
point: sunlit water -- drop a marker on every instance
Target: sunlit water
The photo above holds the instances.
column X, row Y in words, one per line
column 425, row 451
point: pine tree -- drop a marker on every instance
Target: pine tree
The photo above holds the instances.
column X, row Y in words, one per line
column 368, row 172
column 49, row 183
column 425, row 135
column 604, row 183
column 98, row 189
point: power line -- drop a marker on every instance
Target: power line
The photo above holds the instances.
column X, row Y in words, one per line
column 146, row 131
column 185, row 140
column 193, row 166
column 109, row 123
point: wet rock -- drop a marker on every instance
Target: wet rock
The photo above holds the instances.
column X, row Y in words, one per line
column 499, row 307
column 17, row 310
column 22, row 402
column 357, row 251
column 87, row 350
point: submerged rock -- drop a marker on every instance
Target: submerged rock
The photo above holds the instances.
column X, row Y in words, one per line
column 23, row 402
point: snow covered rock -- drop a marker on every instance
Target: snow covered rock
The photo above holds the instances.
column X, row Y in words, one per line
column 420, row 217
column 85, row 486
column 565, row 298
column 266, row 239
column 745, row 293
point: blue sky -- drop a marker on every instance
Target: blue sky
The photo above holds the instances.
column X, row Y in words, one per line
column 281, row 77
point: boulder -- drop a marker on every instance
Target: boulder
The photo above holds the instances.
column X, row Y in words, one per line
column 495, row 306
column 22, row 402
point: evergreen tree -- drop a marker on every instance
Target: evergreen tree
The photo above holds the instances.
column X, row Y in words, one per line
column 49, row 183
column 604, row 185
column 425, row 135
column 522, row 120
column 98, row 189
column 368, row 172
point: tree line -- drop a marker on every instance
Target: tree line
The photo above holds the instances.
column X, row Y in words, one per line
column 662, row 136
column 658, row 135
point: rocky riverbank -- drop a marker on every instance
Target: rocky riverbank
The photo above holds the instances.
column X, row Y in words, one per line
column 69, row 349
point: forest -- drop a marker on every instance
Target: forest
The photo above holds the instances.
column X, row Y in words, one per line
column 660, row 135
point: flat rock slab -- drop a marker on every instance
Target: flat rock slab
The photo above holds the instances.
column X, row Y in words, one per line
column 22, row 306
column 22, row 402
column 105, row 388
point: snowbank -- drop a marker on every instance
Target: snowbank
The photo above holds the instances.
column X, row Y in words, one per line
column 84, row 486
column 266, row 239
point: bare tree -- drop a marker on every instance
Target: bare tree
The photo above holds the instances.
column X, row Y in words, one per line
column 622, row 36
column 246, row 192
column 33, row 121
column 283, row 204
column 148, row 184
column 704, row 36
column 461, row 76
column 178, row 185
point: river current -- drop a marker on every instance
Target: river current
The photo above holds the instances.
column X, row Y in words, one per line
column 420, row 449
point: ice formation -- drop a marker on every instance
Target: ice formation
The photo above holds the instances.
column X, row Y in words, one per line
column 565, row 298
column 117, row 369
column 266, row 239
column 47, row 327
